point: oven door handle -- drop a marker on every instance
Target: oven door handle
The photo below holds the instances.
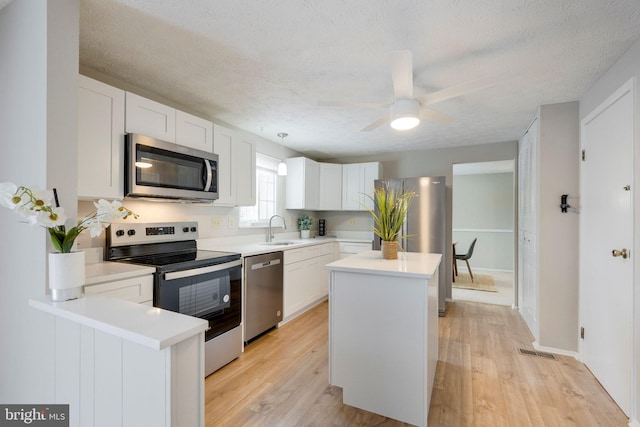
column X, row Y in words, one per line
column 202, row 270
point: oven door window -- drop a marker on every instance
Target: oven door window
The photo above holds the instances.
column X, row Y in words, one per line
column 162, row 168
column 200, row 296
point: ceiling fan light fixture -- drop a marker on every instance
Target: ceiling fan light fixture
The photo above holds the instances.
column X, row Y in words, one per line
column 405, row 114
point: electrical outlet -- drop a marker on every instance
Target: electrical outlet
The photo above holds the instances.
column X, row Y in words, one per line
column 215, row 222
column 352, row 221
column 231, row 222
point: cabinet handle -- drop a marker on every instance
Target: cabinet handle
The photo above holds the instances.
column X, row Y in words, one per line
column 624, row 253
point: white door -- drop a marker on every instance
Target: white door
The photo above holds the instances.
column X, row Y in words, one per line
column 606, row 225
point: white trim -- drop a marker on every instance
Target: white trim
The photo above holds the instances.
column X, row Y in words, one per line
column 482, row 230
column 634, row 423
column 555, row 350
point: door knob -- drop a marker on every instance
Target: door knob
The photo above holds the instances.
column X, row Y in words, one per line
column 623, row 253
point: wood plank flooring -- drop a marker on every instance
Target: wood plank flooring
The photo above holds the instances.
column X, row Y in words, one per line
column 481, row 380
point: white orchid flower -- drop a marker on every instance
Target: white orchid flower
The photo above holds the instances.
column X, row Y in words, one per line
column 108, row 212
column 94, row 226
column 7, row 194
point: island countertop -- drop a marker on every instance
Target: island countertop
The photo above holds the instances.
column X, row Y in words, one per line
column 409, row 264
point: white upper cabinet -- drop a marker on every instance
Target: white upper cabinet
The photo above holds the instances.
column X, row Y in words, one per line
column 150, row 118
column 194, row 132
column 357, row 183
column 160, row 121
column 100, row 140
column 330, row 198
column 302, row 183
column 236, row 167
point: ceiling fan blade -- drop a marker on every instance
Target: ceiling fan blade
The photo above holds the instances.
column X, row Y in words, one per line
column 382, row 120
column 435, row 116
column 352, row 104
column 462, row 89
column 402, row 74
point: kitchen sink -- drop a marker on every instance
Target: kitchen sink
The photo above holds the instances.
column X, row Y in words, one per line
column 283, row 243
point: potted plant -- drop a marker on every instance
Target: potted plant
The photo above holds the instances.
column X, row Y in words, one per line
column 66, row 267
column 389, row 214
column 304, row 224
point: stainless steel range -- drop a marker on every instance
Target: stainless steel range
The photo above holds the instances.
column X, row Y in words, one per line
column 204, row 284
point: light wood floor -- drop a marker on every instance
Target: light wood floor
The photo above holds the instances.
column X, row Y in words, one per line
column 481, row 379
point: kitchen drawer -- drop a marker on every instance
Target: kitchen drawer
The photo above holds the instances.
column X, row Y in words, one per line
column 137, row 289
column 354, row 247
column 300, row 254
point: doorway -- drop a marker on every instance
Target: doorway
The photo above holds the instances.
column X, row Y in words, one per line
column 483, row 208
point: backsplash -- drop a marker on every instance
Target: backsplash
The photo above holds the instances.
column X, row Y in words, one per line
column 218, row 221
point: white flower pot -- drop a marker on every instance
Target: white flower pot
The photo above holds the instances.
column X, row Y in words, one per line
column 305, row 234
column 66, row 275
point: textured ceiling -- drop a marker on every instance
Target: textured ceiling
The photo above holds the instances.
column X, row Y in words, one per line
column 267, row 66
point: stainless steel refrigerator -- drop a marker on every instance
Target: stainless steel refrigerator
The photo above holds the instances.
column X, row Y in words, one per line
column 425, row 222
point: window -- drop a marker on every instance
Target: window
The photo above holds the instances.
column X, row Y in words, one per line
column 266, row 193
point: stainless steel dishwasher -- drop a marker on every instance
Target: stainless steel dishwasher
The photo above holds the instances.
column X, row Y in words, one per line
column 263, row 298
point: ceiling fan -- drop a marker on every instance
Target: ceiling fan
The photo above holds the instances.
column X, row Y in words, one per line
column 406, row 111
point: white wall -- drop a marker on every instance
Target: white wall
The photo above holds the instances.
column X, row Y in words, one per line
column 483, row 207
column 627, row 67
column 38, row 51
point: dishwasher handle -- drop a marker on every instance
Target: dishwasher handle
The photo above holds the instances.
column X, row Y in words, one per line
column 265, row 264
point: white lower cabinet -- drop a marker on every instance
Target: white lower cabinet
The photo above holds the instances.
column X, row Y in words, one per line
column 305, row 278
column 136, row 289
column 351, row 248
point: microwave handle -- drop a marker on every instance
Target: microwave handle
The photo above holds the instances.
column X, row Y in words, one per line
column 209, row 175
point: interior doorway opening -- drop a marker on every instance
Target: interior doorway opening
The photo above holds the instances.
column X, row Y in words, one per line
column 483, row 208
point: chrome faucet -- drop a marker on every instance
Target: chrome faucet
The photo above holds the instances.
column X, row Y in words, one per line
column 269, row 234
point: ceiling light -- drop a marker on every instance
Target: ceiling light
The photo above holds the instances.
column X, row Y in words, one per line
column 282, row 166
column 405, row 114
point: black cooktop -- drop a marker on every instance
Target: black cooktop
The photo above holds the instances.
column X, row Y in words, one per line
column 170, row 256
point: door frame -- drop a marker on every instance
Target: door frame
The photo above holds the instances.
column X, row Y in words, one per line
column 629, row 86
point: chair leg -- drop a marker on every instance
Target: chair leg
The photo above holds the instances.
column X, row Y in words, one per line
column 469, row 268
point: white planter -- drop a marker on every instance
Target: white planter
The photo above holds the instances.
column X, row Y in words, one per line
column 66, row 275
column 305, row 234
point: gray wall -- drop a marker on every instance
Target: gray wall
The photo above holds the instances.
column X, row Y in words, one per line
column 38, row 117
column 483, row 208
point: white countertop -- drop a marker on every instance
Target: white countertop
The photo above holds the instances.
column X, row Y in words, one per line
column 409, row 264
column 101, row 272
column 148, row 326
column 257, row 248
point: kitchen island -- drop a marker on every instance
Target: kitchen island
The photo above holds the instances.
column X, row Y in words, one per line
column 383, row 332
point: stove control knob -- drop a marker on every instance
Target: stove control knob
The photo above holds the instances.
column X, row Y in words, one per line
column 185, row 229
column 193, row 229
column 131, row 232
column 225, row 298
column 120, row 233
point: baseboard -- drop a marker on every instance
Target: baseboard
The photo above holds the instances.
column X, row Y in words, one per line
column 553, row 350
column 634, row 423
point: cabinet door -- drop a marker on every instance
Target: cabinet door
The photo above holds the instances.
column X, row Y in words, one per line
column 351, row 187
column 330, row 197
column 100, row 140
column 243, row 163
column 150, row 118
column 194, row 132
column 311, row 184
column 222, row 143
column 369, row 172
column 302, row 183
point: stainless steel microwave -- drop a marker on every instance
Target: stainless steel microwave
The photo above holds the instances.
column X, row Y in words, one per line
column 160, row 169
